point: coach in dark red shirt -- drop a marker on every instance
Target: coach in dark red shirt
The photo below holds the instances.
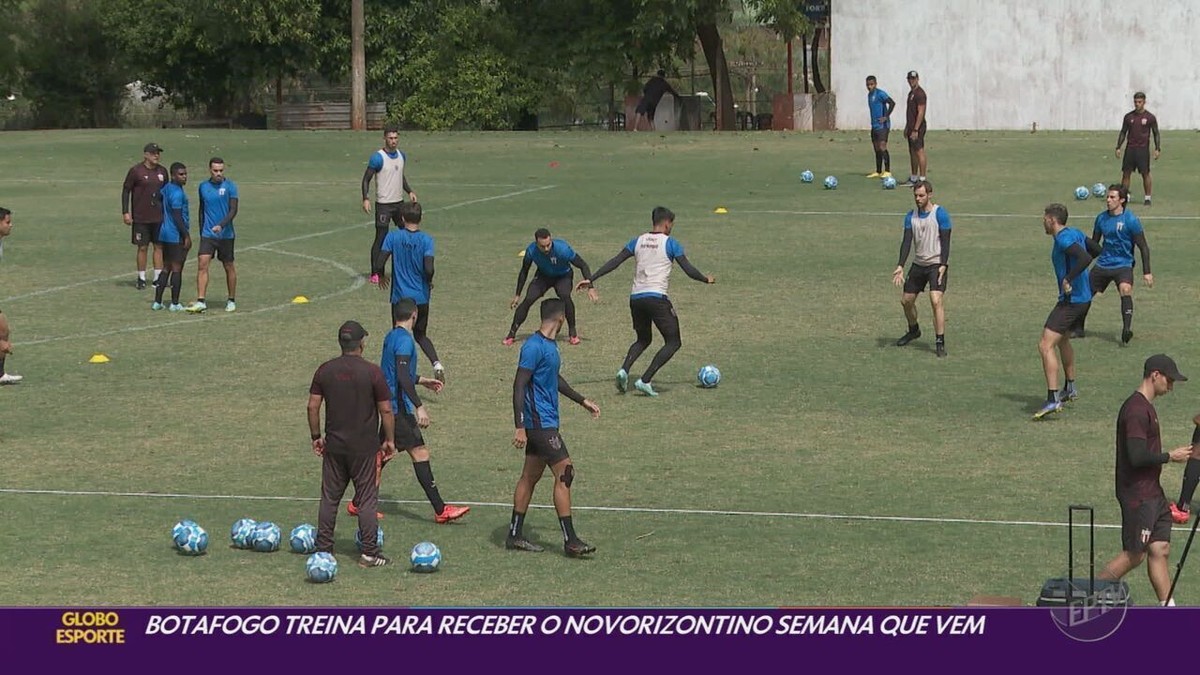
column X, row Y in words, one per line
column 914, row 128
column 1145, row 514
column 1136, row 128
column 141, row 208
column 357, row 399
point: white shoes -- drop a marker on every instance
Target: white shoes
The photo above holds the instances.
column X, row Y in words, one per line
column 10, row 378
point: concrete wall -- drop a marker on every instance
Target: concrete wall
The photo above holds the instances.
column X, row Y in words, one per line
column 1005, row 64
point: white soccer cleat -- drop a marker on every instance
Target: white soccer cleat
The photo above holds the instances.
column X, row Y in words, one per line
column 231, row 306
column 196, row 308
column 10, row 378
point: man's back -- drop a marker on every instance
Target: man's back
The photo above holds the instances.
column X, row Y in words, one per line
column 409, row 248
column 351, row 387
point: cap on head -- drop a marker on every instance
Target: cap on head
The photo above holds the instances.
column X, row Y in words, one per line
column 152, row 147
column 1165, row 365
column 912, row 75
column 351, row 331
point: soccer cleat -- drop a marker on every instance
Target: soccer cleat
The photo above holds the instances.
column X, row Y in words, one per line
column 886, row 174
column 577, row 548
column 875, row 174
column 940, row 350
column 156, row 306
column 353, row 510
column 645, row 388
column 508, row 341
column 449, row 513
column 375, row 279
column 1126, row 336
column 439, row 372
column 377, row 560
column 1068, row 393
column 574, row 339
column 622, row 381
column 1049, row 407
column 196, row 307
column 1146, row 201
column 176, row 307
column 521, row 544
column 908, row 337
column 231, row 306
column 1179, row 515
column 141, row 284
column 10, row 378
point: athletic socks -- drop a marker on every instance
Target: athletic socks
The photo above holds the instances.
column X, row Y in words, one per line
column 160, row 285
column 515, row 525
column 142, row 275
column 887, row 161
column 940, row 340
column 878, row 161
column 2, row 357
column 1126, row 312
column 157, row 273
column 425, row 478
column 1051, row 396
column 568, row 528
column 176, row 287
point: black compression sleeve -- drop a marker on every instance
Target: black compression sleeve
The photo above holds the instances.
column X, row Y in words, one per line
column 233, row 209
column 890, row 106
column 1080, row 259
column 177, row 216
column 125, row 194
column 428, row 268
column 690, row 269
column 579, row 262
column 523, row 275
column 905, row 247
column 566, row 390
column 944, row 238
column 366, row 182
column 520, row 384
column 1139, row 240
column 404, row 182
column 405, row 382
column 1154, row 130
column 611, row 264
column 1140, row 455
column 1093, row 247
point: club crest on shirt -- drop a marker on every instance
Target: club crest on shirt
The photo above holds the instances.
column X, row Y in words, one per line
column 1143, row 121
column 553, row 260
column 1145, row 536
column 1120, row 225
column 221, row 191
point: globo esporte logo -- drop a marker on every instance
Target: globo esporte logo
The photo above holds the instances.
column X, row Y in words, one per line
column 90, row 628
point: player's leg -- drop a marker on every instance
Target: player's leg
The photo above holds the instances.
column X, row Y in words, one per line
column 1048, row 349
column 363, row 472
column 443, row 512
column 937, row 302
column 1181, row 509
column 421, row 335
column 158, row 250
column 667, row 322
column 381, row 230
column 642, row 315
column 1159, row 547
column 5, row 346
column 176, row 281
column 1127, row 167
column 140, row 237
column 878, row 154
column 163, row 279
column 208, row 249
column 1133, row 548
column 912, row 156
column 914, row 284
column 537, row 288
column 335, row 476
column 887, row 156
column 555, row 455
column 531, row 473
column 1146, row 182
column 562, row 288
column 1125, row 288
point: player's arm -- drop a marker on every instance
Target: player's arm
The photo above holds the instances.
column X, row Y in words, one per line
column 943, row 221
column 579, row 262
column 1154, row 131
column 1080, row 259
column 5, row 343
column 428, row 270
column 177, row 220
column 233, row 207
column 565, row 389
column 1125, row 125
column 1094, row 248
column 609, row 266
column 526, row 263
column 381, row 258
column 383, row 403
column 366, row 181
column 906, row 242
column 404, row 381
column 520, row 384
column 1143, row 246
column 888, row 106
column 690, row 270
column 316, row 395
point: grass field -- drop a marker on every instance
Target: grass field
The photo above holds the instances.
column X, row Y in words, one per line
column 829, row 468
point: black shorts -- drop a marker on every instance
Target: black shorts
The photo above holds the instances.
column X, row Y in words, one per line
column 1136, row 159
column 1103, row 276
column 387, row 214
column 1143, row 523
column 547, row 445
column 541, row 283
column 408, row 434
column 173, row 252
column 223, row 248
column 144, row 234
column 657, row 312
column 880, row 135
column 918, row 144
column 920, row 276
column 1065, row 315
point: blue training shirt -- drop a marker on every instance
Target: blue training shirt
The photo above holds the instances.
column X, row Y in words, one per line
column 1081, row 287
column 876, row 104
column 556, row 263
column 173, row 198
column 399, row 342
column 214, row 198
column 540, row 355
column 1117, row 233
column 409, row 250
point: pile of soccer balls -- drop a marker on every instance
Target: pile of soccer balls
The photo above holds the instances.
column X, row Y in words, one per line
column 831, row 182
column 1099, row 190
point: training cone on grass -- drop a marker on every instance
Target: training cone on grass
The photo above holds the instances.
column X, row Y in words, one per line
column 99, row 358
column 521, row 253
column 720, row 209
column 299, row 300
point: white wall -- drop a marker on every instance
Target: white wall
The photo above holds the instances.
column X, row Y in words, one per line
column 1005, row 64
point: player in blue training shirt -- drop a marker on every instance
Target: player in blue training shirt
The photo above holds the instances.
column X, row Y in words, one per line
column 411, row 251
column 386, row 166
column 554, row 258
column 399, row 365
column 880, row 107
column 1071, row 255
column 536, row 388
column 1119, row 230
column 649, row 305
column 174, row 237
column 218, row 208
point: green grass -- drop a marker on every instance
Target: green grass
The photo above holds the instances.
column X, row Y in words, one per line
column 817, row 416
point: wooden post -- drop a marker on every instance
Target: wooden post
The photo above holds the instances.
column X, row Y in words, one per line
column 789, row 57
column 358, row 67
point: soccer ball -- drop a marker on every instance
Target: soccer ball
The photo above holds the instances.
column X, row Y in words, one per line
column 181, row 526
column 192, row 540
column 889, row 183
column 241, row 532
column 321, row 567
column 1081, row 193
column 806, row 177
column 378, row 539
column 830, row 182
column 1099, row 190
column 303, row 539
column 265, row 537
column 425, row 557
column 709, row 376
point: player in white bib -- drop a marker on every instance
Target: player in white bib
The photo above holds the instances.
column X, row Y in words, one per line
column 386, row 166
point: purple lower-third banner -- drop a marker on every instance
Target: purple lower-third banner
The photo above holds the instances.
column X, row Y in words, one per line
column 493, row 638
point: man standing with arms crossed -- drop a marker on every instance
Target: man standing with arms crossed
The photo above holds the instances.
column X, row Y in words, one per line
column 928, row 226
column 141, row 208
column 880, row 107
column 386, row 165
column 218, row 208
column 914, row 128
column 1137, row 126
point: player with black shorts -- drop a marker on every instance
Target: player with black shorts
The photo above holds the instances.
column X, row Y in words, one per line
column 386, row 166
column 536, row 388
column 914, row 128
column 1138, row 126
column 926, row 227
column 880, row 107
column 175, row 237
column 554, row 258
column 1117, row 230
column 141, row 208
column 1145, row 513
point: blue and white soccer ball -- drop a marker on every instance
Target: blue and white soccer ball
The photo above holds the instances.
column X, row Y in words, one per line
column 241, row 532
column 181, row 526
column 321, row 567
column 889, row 183
column 806, row 176
column 1100, row 190
column 265, row 537
column 192, row 540
column 709, row 376
column 378, row 539
column 830, row 182
column 303, row 539
column 1082, row 193
column 425, row 557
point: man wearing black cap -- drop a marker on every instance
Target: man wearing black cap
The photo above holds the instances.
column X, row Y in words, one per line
column 141, row 208
column 357, row 399
column 1145, row 515
column 914, row 128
